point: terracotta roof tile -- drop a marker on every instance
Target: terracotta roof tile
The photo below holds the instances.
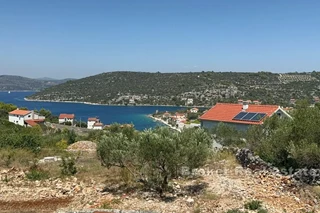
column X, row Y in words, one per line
column 225, row 112
column 31, row 122
column 93, row 119
column 20, row 112
column 68, row 116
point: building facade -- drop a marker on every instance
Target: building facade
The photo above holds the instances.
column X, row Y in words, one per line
column 25, row 117
column 64, row 118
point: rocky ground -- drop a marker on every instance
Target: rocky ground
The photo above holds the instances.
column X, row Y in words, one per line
column 216, row 189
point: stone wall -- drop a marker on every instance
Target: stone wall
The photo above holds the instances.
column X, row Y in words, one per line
column 248, row 160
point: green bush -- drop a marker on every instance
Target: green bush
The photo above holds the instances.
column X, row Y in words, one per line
column 262, row 211
column 289, row 143
column 235, row 211
column 253, row 205
column 36, row 173
column 155, row 156
column 227, row 135
column 68, row 166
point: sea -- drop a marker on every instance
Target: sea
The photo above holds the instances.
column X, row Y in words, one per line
column 136, row 115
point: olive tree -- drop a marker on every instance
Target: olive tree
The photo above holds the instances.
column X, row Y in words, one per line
column 155, row 156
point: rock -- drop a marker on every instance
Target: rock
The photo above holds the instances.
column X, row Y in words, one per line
column 190, row 201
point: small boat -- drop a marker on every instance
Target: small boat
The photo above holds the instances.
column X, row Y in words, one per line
column 9, row 92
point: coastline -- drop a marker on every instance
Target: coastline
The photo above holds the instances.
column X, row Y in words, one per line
column 90, row 103
column 163, row 122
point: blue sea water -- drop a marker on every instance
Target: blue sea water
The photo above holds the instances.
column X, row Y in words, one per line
column 107, row 114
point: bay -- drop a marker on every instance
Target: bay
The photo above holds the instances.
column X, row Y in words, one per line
column 136, row 115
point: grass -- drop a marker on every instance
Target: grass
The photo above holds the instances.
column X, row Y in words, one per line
column 110, row 203
column 316, row 190
column 210, row 196
column 37, row 173
column 262, row 211
column 15, row 158
column 253, row 205
column 235, row 211
column 226, row 156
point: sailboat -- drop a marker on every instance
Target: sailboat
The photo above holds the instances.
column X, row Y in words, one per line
column 9, row 92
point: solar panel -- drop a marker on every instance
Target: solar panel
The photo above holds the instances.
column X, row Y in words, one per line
column 248, row 116
column 240, row 115
column 258, row 117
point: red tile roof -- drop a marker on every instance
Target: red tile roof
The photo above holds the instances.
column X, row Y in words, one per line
column 20, row 112
column 31, row 122
column 34, row 122
column 93, row 119
column 98, row 124
column 225, row 112
column 68, row 116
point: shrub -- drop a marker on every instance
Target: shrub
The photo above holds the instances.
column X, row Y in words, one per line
column 8, row 156
column 36, row 173
column 68, row 166
column 71, row 136
column 227, row 135
column 155, row 156
column 262, row 211
column 62, row 144
column 235, row 211
column 253, row 205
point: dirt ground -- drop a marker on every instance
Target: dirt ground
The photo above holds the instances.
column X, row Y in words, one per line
column 34, row 206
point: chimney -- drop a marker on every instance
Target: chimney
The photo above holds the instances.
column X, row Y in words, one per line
column 245, row 106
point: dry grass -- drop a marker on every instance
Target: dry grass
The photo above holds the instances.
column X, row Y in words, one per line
column 210, row 196
column 223, row 159
column 20, row 158
column 316, row 190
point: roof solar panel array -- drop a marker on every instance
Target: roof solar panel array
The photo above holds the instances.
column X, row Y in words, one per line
column 249, row 116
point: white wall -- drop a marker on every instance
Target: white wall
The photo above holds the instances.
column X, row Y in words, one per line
column 98, row 127
column 17, row 119
column 61, row 121
column 90, row 124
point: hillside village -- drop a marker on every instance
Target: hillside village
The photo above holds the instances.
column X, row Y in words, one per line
column 186, row 89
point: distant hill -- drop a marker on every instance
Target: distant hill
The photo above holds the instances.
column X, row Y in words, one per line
column 12, row 83
column 53, row 79
column 197, row 88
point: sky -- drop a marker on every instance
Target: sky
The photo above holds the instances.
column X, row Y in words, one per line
column 78, row 38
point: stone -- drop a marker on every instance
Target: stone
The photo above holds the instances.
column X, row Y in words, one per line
column 190, row 201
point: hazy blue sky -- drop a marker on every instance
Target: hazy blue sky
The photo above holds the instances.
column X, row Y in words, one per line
column 77, row 38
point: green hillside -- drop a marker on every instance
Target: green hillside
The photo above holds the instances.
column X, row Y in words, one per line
column 18, row 83
column 203, row 88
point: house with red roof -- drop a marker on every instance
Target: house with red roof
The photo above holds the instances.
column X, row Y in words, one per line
column 98, row 126
column 25, row 118
column 91, row 122
column 240, row 116
column 63, row 118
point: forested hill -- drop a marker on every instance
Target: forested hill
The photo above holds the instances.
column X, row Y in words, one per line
column 11, row 83
column 203, row 88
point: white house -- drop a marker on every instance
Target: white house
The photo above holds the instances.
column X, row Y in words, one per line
column 98, row 126
column 194, row 110
column 189, row 101
column 25, row 117
column 180, row 116
column 91, row 122
column 63, row 118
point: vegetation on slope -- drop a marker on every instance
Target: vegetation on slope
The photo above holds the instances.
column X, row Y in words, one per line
column 286, row 143
column 204, row 88
column 11, row 83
